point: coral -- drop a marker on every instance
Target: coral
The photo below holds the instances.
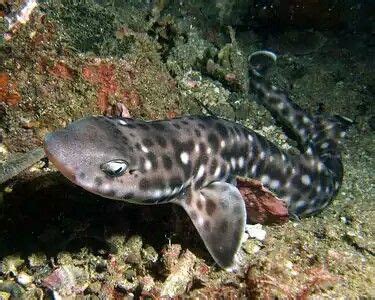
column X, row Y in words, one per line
column 181, row 274
column 19, row 17
column 61, row 70
column 11, row 290
column 268, row 286
column 8, row 91
column 67, row 280
column 102, row 75
column 10, row 264
column 262, row 206
column 317, row 278
column 170, row 255
column 203, row 95
column 189, row 54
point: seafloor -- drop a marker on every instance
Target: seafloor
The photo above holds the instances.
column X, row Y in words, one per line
column 160, row 60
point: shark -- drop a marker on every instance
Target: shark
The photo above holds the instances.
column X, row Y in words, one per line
column 193, row 161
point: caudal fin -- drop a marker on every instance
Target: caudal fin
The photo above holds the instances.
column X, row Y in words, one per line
column 327, row 134
column 316, row 135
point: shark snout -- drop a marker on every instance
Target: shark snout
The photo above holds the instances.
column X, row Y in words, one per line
column 55, row 153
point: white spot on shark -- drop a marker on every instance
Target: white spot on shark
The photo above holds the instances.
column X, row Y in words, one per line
column 281, row 105
column 217, row 172
column 200, row 172
column 241, row 162
column 305, row 179
column 122, row 122
column 148, row 165
column 144, row 149
column 274, row 184
column 177, row 189
column 300, row 203
column 287, row 199
column 168, row 191
column 203, row 198
column 262, row 155
column 157, row 193
column 184, row 156
column 233, row 162
column 265, row 179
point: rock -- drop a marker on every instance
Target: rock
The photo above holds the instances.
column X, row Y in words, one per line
column 146, row 283
column 149, row 254
column 19, row 163
column 4, row 295
column 13, row 289
column 170, row 256
column 182, row 274
column 262, row 205
column 94, row 287
column 24, row 279
column 37, row 260
column 256, row 231
column 67, row 280
column 10, row 264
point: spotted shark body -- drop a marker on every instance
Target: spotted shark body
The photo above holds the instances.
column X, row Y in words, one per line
column 193, row 161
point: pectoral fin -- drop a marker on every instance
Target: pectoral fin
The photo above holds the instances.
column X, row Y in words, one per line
column 218, row 212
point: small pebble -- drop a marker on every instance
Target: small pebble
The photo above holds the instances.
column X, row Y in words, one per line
column 256, row 231
column 4, row 295
column 24, row 279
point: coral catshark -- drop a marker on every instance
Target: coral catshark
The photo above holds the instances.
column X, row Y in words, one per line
column 193, row 161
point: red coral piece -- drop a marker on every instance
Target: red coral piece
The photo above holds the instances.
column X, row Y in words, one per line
column 104, row 76
column 62, row 71
column 262, row 205
column 132, row 99
column 8, row 92
column 317, row 278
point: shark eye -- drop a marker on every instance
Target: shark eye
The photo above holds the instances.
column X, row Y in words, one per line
column 114, row 168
